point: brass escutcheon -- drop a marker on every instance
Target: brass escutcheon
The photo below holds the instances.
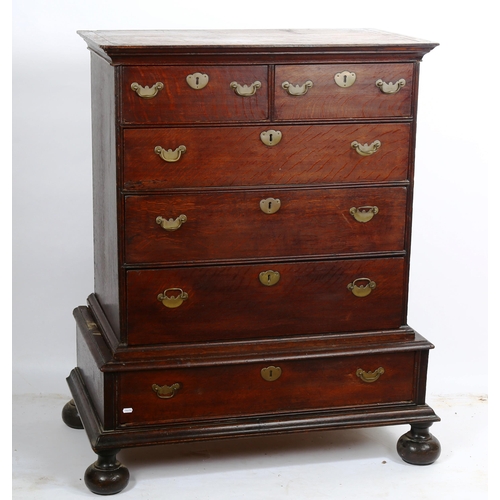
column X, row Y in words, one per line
column 366, row 149
column 172, row 301
column 171, row 224
column 362, row 290
column 363, row 214
column 197, row 81
column 269, row 278
column 245, row 90
column 297, row 90
column 390, row 88
column 270, row 205
column 369, row 376
column 270, row 137
column 345, row 79
column 170, row 155
column 271, row 373
column 147, row 92
column 166, row 391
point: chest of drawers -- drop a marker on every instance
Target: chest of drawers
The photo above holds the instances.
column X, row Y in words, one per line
column 252, row 217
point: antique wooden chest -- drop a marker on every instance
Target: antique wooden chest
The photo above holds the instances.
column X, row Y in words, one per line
column 252, row 220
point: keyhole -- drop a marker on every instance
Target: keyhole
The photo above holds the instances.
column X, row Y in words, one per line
column 270, row 374
column 270, row 137
column 270, row 205
column 197, row 81
column 345, row 78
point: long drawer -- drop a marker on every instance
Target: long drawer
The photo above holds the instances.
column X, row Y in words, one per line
column 248, row 156
column 208, row 303
column 277, row 386
column 192, row 94
column 256, row 224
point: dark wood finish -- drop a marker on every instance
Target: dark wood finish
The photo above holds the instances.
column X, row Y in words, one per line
column 326, row 100
column 106, row 476
column 179, row 103
column 235, row 156
column 236, row 390
column 70, row 415
column 105, row 200
column 231, row 225
column 311, row 297
column 418, row 446
column 231, row 325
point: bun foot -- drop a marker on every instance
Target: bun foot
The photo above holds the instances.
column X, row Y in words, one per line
column 107, row 476
column 70, row 416
column 419, row 446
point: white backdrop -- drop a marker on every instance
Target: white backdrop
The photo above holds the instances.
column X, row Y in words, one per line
column 52, row 200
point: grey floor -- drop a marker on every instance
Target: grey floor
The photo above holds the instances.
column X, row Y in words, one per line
column 49, row 460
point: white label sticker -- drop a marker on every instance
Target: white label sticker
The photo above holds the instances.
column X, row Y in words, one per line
column 127, row 410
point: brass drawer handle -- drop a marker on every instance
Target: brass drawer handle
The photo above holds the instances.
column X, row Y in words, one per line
column 271, row 373
column 172, row 301
column 345, row 79
column 147, row 92
column 270, row 205
column 170, row 155
column 197, row 81
column 269, row 278
column 369, row 376
column 166, row 391
column 297, row 90
column 271, row 137
column 366, row 149
column 363, row 214
column 362, row 290
column 390, row 88
column 171, row 224
column 245, row 90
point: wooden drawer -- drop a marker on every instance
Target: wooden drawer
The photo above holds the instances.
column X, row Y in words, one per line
column 177, row 102
column 239, row 390
column 237, row 225
column 230, row 302
column 325, row 99
column 236, row 156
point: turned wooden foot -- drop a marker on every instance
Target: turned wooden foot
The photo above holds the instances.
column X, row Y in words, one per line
column 106, row 476
column 418, row 446
column 70, row 416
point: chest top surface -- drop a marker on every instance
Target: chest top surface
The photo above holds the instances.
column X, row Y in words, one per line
column 115, row 43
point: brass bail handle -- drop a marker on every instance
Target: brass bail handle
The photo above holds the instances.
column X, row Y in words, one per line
column 147, row 92
column 171, row 224
column 370, row 376
column 362, row 290
column 366, row 149
column 390, row 88
column 297, row 90
column 172, row 301
column 166, row 391
column 170, row 155
column 363, row 214
column 245, row 90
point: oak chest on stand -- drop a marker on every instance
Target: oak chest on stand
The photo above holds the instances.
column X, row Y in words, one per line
column 252, row 216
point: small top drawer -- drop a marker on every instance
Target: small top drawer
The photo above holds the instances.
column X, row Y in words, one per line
column 330, row 91
column 192, row 94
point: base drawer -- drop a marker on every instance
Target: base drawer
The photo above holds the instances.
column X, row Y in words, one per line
column 159, row 396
